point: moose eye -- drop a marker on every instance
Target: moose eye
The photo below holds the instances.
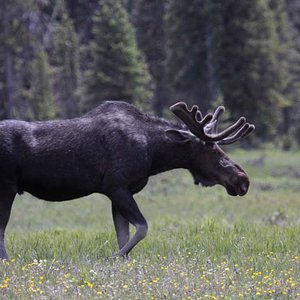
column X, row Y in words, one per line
column 210, row 144
column 224, row 163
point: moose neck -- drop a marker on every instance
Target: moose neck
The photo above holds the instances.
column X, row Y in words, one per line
column 168, row 155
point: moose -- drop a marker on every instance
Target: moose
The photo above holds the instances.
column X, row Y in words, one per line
column 113, row 150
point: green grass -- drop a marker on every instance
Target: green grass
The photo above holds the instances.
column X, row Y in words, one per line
column 202, row 243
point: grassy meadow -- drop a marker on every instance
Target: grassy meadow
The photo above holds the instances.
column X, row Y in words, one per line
column 202, row 243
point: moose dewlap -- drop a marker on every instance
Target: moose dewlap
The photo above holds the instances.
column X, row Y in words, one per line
column 113, row 150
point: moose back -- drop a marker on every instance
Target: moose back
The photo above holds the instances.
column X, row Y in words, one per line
column 113, row 150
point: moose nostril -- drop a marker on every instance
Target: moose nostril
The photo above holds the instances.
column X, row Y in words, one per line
column 244, row 188
column 243, row 183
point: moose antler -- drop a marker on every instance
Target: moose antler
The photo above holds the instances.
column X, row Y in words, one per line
column 205, row 127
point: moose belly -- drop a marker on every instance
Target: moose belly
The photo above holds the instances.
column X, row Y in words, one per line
column 55, row 193
column 57, row 188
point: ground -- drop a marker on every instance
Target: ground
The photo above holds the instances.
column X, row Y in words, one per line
column 202, row 243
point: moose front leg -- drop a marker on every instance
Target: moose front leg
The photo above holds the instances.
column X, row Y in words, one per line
column 126, row 206
column 6, row 201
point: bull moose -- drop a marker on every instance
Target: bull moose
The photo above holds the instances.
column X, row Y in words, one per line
column 113, row 150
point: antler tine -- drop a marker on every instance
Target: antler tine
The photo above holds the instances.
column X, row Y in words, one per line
column 243, row 128
column 215, row 119
column 180, row 109
column 242, row 132
column 192, row 118
column 228, row 131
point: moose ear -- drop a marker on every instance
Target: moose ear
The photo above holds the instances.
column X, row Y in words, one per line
column 179, row 136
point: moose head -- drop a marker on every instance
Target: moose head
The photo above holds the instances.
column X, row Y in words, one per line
column 212, row 166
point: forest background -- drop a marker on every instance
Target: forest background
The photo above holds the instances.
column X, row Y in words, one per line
column 59, row 59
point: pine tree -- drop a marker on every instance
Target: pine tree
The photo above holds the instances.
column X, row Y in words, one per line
column 191, row 48
column 81, row 13
column 118, row 70
column 149, row 20
column 42, row 100
column 66, row 62
column 284, row 50
column 250, row 79
column 19, row 40
column 7, row 58
column 293, row 10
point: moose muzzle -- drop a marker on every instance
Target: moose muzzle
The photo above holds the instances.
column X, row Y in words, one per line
column 237, row 185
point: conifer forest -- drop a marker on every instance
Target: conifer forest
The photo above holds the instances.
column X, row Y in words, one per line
column 60, row 58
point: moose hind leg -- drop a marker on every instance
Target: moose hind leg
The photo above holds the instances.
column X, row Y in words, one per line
column 127, row 207
column 6, row 201
column 121, row 226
